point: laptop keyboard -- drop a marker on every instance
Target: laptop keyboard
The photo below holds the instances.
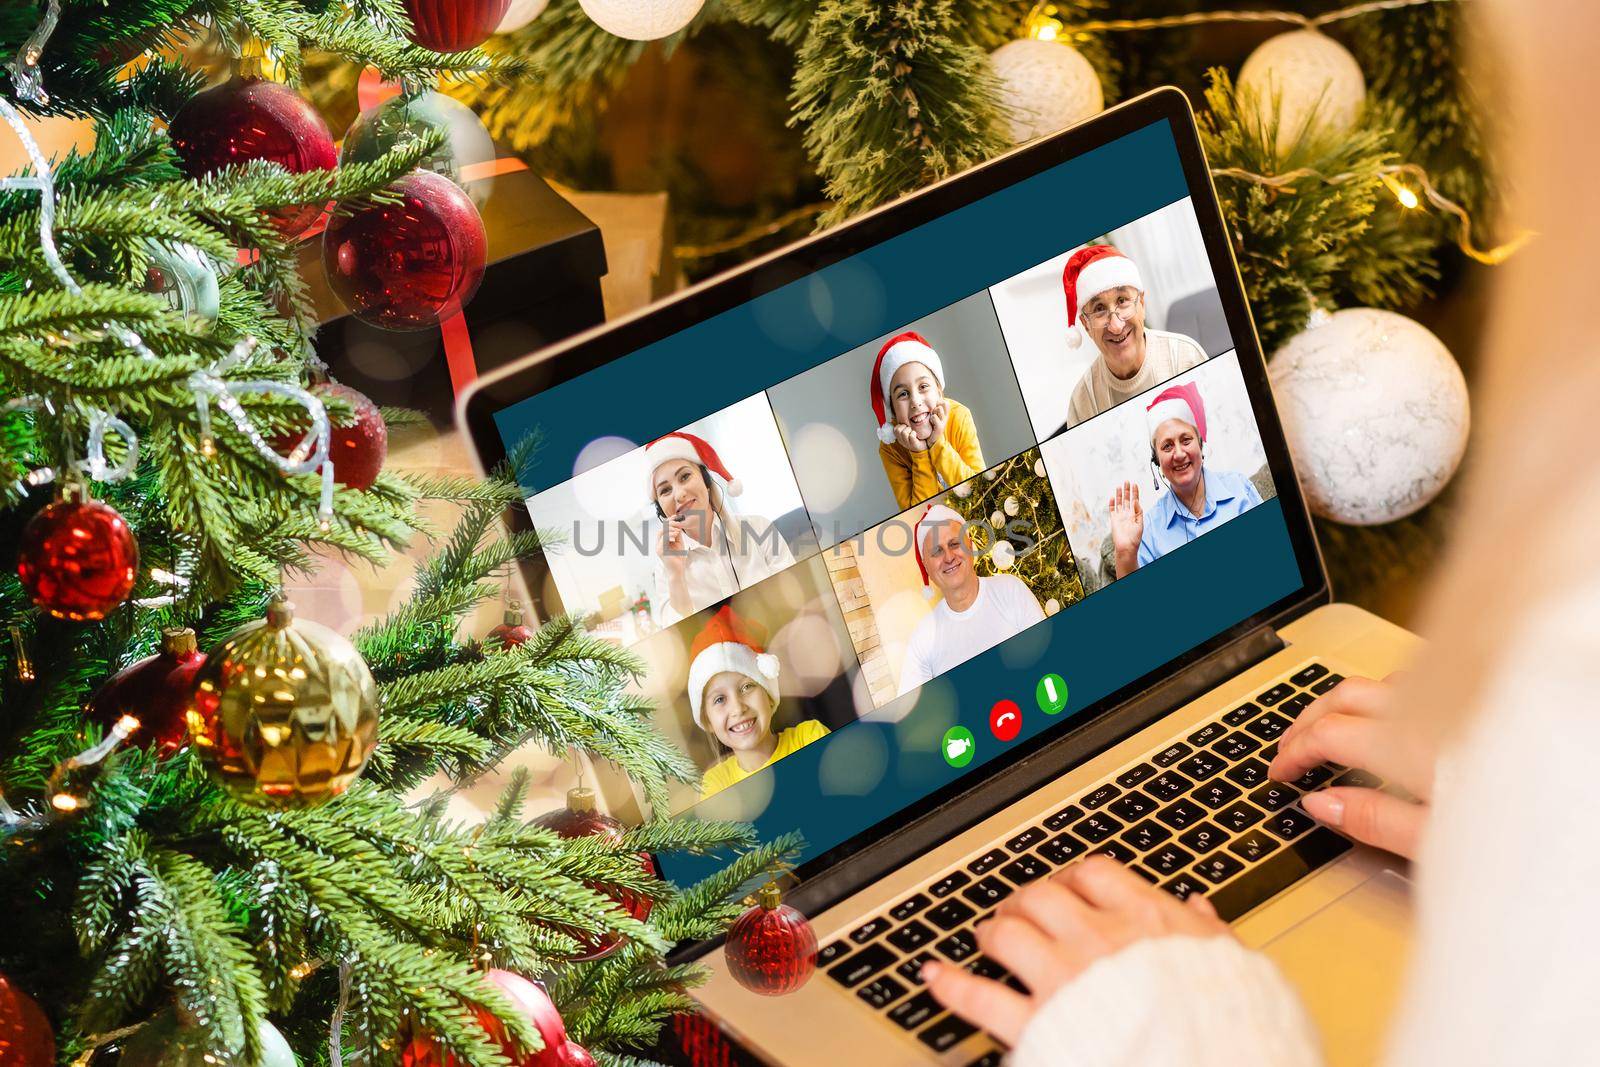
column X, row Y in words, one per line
column 1198, row 815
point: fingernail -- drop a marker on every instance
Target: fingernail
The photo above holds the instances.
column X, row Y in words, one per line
column 1324, row 807
column 930, row 971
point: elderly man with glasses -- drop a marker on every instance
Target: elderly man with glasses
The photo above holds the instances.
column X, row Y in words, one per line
column 1105, row 302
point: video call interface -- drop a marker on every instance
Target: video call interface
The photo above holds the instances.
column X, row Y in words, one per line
column 825, row 552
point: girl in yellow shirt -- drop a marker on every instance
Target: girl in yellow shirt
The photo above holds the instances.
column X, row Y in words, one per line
column 927, row 442
column 733, row 692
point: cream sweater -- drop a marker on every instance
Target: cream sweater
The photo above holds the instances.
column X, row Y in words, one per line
column 1508, row 901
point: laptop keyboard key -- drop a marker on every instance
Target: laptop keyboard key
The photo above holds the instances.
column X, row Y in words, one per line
column 949, row 883
column 984, row 967
column 1134, row 775
column 1241, row 714
column 1203, row 838
column 1097, row 828
column 1146, row 836
column 911, row 968
column 1184, row 886
column 1104, row 795
column 1166, row 786
column 908, row 907
column 1308, row 674
column 832, row 952
column 987, row 892
column 991, row 1058
column 1327, row 684
column 1252, row 846
column 1202, row 765
column 916, row 1011
column 1290, row 823
column 1268, row 727
column 1171, row 754
column 988, row 861
column 1313, row 778
column 1360, row 778
column 1239, row 817
column 869, row 930
column 1275, row 795
column 1133, row 806
column 958, row 946
column 881, row 992
column 1296, row 704
column 1218, row 867
column 1025, row 840
column 1278, row 872
column 1025, row 869
column 1207, row 734
column 1280, row 692
column 863, row 965
column 1181, row 813
column 1249, row 774
column 1168, row 860
column 1236, row 746
column 1215, row 794
column 1117, row 851
column 950, row 914
column 1061, row 848
column 912, row 936
column 946, row 1033
column 1064, row 818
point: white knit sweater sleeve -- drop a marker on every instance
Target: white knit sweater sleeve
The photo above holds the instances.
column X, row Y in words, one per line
column 1201, row 1002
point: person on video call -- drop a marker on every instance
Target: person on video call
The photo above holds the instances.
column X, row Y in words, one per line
column 705, row 552
column 733, row 693
column 1105, row 303
column 974, row 614
column 926, row 441
column 1197, row 498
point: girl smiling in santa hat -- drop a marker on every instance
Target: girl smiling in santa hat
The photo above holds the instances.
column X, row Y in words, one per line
column 926, row 440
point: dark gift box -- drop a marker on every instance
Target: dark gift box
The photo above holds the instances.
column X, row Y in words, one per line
column 542, row 283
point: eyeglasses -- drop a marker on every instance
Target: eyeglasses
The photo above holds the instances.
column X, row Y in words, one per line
column 1100, row 314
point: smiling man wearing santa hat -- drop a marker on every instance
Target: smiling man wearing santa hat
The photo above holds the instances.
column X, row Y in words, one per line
column 704, row 553
column 1197, row 498
column 1105, row 303
column 973, row 615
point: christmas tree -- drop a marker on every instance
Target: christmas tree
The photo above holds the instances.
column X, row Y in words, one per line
column 209, row 841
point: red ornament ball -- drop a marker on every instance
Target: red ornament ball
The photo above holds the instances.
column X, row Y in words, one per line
column 454, row 25
column 771, row 949
column 409, row 263
column 580, row 819
column 512, row 631
column 250, row 118
column 534, row 1004
column 26, row 1039
column 359, row 446
column 156, row 691
column 78, row 559
column 578, row 1056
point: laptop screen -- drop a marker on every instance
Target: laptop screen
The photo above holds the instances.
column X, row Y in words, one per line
column 887, row 525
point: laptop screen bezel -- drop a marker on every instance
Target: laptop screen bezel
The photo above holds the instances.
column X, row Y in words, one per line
column 542, row 370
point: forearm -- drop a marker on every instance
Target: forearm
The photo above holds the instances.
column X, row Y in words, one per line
column 1126, row 560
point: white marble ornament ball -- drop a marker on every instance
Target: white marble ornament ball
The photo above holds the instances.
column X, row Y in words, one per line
column 642, row 20
column 520, row 13
column 1045, row 86
column 1313, row 79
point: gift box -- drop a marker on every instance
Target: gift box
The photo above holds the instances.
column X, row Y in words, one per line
column 541, row 284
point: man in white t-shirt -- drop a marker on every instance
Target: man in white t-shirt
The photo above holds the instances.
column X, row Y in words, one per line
column 973, row 614
column 705, row 552
column 1105, row 303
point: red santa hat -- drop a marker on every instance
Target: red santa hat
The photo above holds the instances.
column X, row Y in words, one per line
column 685, row 446
column 933, row 515
column 1177, row 402
column 1090, row 271
column 729, row 642
column 897, row 351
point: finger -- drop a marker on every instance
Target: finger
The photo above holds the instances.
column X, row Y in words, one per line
column 1370, row 816
column 1335, row 738
column 1041, row 961
column 1107, row 884
column 1353, row 696
column 996, row 1008
column 1050, row 906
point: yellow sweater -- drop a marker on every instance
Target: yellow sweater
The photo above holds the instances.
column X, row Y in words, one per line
column 790, row 741
column 954, row 457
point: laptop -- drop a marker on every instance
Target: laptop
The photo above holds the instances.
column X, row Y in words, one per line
column 869, row 503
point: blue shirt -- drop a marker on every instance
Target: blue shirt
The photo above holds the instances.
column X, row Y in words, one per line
column 1168, row 524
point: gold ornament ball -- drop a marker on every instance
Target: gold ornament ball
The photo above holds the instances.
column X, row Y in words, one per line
column 285, row 711
column 1045, row 86
column 1314, row 82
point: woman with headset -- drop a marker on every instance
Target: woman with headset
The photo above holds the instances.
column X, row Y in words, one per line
column 1198, row 497
column 704, row 552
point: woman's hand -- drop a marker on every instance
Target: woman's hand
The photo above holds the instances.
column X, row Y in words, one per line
column 1047, row 933
column 670, row 547
column 908, row 438
column 936, row 422
column 1359, row 725
column 1127, row 527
